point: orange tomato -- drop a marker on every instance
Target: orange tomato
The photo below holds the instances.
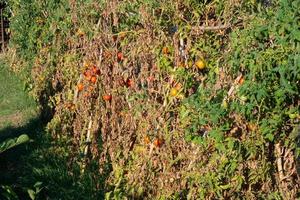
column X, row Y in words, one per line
column 173, row 92
column 165, row 50
column 107, row 97
column 241, row 81
column 80, row 87
column 93, row 79
column 178, row 86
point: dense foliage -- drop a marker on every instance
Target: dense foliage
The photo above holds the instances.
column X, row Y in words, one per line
column 167, row 99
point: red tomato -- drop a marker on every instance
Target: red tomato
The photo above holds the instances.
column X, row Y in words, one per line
column 129, row 83
column 120, row 56
column 158, row 142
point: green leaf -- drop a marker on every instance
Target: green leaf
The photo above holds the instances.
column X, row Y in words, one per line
column 10, row 143
column 37, row 184
column 225, row 187
column 31, row 194
column 22, row 139
column 270, row 137
column 8, row 192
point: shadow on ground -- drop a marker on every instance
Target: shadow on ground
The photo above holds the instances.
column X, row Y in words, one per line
column 47, row 161
column 32, row 128
column 10, row 159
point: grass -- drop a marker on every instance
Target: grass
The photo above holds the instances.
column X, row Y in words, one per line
column 16, row 107
column 18, row 115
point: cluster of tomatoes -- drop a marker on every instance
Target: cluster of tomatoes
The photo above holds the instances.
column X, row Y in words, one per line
column 158, row 142
column 200, row 64
column 90, row 74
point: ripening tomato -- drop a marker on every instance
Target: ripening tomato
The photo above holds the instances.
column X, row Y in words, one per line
column 146, row 139
column 107, row 97
column 93, row 79
column 200, row 64
column 120, row 56
column 87, row 75
column 80, row 87
column 173, row 92
column 241, row 81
